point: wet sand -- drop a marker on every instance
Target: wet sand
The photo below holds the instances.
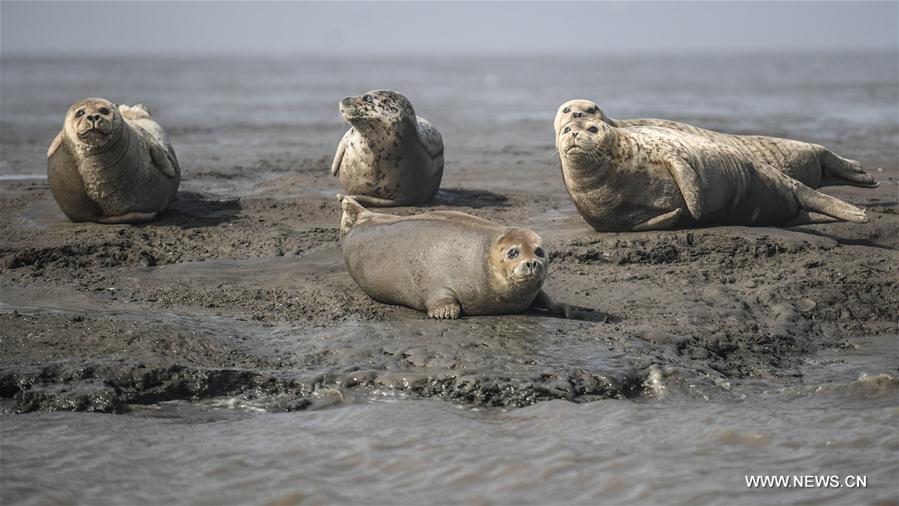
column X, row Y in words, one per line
column 239, row 295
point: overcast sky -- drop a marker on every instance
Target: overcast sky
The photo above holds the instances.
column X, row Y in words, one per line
column 382, row 28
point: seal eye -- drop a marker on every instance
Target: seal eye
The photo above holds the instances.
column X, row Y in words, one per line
column 80, row 113
column 512, row 253
column 567, row 129
column 104, row 111
column 566, row 110
column 539, row 252
column 366, row 98
column 593, row 129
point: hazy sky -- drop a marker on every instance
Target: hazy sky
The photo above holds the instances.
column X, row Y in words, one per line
column 282, row 28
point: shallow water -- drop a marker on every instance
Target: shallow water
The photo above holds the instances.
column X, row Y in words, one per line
column 383, row 447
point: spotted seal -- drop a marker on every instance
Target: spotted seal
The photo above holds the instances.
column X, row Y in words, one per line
column 111, row 164
column 389, row 156
column 649, row 177
column 446, row 263
column 811, row 164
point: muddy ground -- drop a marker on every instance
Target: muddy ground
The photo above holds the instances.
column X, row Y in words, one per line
column 249, row 297
column 239, row 289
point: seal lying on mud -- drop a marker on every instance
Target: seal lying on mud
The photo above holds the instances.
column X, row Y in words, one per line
column 810, row 164
column 390, row 156
column 111, row 164
column 445, row 263
column 648, row 178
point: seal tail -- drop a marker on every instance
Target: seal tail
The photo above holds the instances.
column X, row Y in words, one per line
column 351, row 212
column 839, row 171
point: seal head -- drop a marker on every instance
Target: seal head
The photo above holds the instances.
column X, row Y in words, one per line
column 579, row 108
column 384, row 107
column 518, row 260
column 93, row 124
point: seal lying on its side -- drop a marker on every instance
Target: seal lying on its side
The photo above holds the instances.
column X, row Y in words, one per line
column 111, row 164
column 646, row 178
column 445, row 263
column 810, row 164
column 390, row 156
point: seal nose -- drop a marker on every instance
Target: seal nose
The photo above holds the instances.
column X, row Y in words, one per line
column 95, row 118
column 578, row 114
column 573, row 134
column 533, row 266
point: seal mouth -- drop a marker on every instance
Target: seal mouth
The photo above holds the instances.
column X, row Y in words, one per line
column 349, row 112
column 92, row 133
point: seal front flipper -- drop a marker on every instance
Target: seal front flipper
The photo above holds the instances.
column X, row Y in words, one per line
column 341, row 149
column 544, row 302
column 661, row 222
column 67, row 185
column 381, row 202
column 133, row 217
column 689, row 184
column 443, row 306
column 161, row 161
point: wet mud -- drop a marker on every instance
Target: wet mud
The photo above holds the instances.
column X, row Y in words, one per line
column 248, row 297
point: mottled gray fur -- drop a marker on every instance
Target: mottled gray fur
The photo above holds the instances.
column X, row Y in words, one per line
column 390, row 156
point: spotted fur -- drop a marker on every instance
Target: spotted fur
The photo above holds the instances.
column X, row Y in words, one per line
column 811, row 164
column 389, row 156
column 651, row 177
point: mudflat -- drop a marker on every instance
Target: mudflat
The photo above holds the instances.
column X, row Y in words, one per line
column 239, row 294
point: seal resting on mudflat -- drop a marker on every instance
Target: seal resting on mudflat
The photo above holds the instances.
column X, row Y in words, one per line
column 111, row 164
column 390, row 156
column 650, row 178
column 810, row 164
column 445, row 263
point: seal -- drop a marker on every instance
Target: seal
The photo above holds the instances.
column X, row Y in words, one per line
column 111, row 164
column 446, row 263
column 389, row 156
column 811, row 164
column 652, row 178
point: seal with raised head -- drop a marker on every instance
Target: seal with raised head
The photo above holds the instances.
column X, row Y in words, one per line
column 650, row 178
column 389, row 156
column 810, row 164
column 445, row 263
column 111, row 164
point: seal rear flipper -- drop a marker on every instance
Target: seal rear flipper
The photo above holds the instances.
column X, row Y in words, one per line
column 351, row 212
column 67, row 185
column 430, row 138
column 816, row 202
column 842, row 171
column 133, row 112
column 687, row 181
column 807, row 218
column 544, row 303
column 811, row 200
